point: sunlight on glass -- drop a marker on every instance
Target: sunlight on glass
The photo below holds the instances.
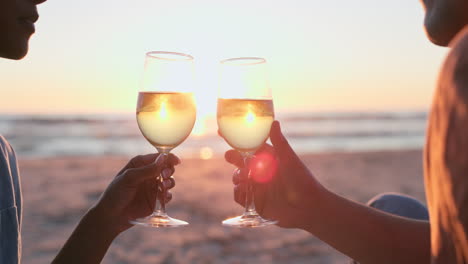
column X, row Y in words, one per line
column 163, row 111
column 250, row 118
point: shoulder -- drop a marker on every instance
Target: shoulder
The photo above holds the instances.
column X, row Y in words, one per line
column 4, row 145
column 6, row 151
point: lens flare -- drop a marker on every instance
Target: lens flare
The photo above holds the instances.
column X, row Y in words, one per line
column 263, row 167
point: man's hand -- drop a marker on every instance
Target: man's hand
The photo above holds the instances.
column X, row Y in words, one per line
column 284, row 188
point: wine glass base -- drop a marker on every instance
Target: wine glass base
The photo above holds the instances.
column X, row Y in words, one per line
column 158, row 220
column 253, row 220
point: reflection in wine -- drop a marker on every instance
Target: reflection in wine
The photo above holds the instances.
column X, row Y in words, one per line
column 165, row 119
column 245, row 123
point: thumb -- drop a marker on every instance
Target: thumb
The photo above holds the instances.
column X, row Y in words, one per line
column 282, row 148
column 136, row 176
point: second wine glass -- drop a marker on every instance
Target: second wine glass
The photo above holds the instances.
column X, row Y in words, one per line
column 245, row 114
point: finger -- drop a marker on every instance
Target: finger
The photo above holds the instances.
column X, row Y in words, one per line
column 143, row 160
column 234, row 157
column 280, row 143
column 169, row 183
column 139, row 161
column 151, row 192
column 168, row 197
column 167, row 173
column 173, row 160
column 239, row 194
column 236, row 177
column 135, row 176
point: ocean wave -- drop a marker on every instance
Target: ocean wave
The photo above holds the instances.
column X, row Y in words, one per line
column 340, row 116
column 55, row 135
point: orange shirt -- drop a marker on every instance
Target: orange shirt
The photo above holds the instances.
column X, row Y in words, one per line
column 446, row 158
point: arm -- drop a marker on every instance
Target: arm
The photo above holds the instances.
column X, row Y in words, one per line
column 130, row 195
column 366, row 234
column 89, row 241
column 297, row 200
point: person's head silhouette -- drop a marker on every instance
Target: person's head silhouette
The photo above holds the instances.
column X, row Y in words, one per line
column 445, row 19
column 17, row 19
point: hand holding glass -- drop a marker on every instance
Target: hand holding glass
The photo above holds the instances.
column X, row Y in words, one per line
column 245, row 114
column 166, row 114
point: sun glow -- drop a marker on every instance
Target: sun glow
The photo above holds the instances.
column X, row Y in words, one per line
column 163, row 113
column 205, row 100
column 206, row 153
column 250, row 117
column 307, row 72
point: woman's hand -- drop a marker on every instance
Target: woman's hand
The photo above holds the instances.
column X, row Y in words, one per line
column 132, row 193
column 284, row 189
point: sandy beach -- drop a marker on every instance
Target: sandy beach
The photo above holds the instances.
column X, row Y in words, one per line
column 58, row 191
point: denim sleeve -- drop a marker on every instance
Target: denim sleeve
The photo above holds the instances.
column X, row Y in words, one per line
column 10, row 205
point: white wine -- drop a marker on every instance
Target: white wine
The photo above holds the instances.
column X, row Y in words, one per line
column 245, row 123
column 165, row 119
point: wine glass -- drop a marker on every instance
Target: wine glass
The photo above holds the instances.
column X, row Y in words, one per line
column 165, row 114
column 245, row 114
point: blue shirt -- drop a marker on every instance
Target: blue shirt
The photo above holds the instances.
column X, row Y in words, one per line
column 10, row 205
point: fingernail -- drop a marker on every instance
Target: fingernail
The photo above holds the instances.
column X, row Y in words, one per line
column 273, row 128
column 166, row 173
column 167, row 184
column 277, row 125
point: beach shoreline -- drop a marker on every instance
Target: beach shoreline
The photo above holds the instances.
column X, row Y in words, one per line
column 57, row 192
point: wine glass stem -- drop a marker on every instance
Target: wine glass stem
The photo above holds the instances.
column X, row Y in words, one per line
column 249, row 198
column 160, row 206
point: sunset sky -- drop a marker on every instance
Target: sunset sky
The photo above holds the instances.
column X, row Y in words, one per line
column 87, row 56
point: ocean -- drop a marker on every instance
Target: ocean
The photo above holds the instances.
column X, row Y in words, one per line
column 118, row 134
